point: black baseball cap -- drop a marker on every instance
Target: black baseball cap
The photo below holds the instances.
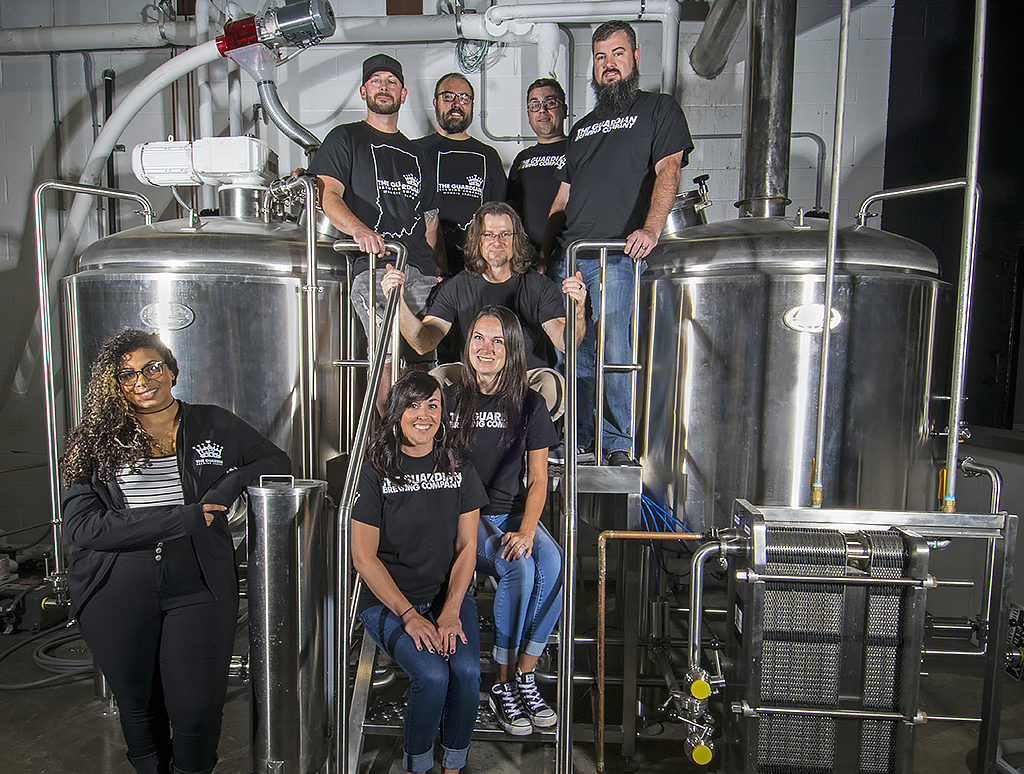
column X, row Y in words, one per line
column 379, row 62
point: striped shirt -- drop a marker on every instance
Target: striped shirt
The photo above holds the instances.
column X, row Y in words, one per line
column 158, row 482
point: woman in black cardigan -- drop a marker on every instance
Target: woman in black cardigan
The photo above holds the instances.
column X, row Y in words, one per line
column 149, row 480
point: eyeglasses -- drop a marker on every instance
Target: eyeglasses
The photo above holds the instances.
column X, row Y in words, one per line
column 449, row 97
column 548, row 103
column 129, row 377
column 503, row 235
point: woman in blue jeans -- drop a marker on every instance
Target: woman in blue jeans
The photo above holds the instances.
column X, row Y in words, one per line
column 508, row 429
column 414, row 527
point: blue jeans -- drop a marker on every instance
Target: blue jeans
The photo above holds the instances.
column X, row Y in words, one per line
column 443, row 694
column 618, row 292
column 528, row 601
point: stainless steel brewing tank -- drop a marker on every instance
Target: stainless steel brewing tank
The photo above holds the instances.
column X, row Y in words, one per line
column 227, row 299
column 733, row 317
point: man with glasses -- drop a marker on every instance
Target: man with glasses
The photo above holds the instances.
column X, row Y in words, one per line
column 532, row 178
column 498, row 260
column 467, row 172
column 375, row 187
column 621, row 175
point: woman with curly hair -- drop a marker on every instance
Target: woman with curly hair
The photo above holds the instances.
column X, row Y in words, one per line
column 148, row 481
column 507, row 427
column 414, row 528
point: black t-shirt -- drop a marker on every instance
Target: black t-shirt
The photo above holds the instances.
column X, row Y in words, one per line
column 534, row 298
column 418, row 522
column 532, row 184
column 502, row 467
column 387, row 185
column 623, row 150
column 468, row 173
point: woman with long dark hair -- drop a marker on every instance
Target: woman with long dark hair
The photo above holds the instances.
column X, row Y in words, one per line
column 414, row 527
column 507, row 427
column 149, row 479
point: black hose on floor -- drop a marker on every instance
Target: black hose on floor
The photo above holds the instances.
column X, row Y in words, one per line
column 77, row 671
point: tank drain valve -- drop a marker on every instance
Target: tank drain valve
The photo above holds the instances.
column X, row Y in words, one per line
column 698, row 683
column 699, row 749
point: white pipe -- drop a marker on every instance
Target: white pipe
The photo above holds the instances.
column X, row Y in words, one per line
column 204, row 93
column 148, row 87
column 669, row 48
column 423, row 29
column 594, row 10
column 92, row 37
column 235, row 125
column 548, row 39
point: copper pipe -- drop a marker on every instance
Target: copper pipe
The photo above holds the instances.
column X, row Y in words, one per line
column 602, row 572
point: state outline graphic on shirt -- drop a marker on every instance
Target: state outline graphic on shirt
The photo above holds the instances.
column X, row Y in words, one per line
column 473, row 187
column 409, row 186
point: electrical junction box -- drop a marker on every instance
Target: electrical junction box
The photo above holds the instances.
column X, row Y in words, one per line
column 207, row 161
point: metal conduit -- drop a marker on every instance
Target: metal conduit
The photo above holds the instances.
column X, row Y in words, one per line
column 898, row 193
column 970, row 224
column 602, row 572
column 817, row 494
column 343, row 581
column 46, row 332
column 973, row 468
column 819, row 147
column 277, row 113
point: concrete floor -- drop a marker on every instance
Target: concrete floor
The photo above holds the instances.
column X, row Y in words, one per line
column 60, row 729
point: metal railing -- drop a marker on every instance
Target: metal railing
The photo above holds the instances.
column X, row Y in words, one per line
column 46, row 333
column 566, row 639
column 350, row 363
column 602, row 367
column 344, row 583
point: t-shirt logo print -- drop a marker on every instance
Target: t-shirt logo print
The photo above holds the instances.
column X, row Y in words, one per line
column 208, row 453
column 462, row 173
column 399, row 180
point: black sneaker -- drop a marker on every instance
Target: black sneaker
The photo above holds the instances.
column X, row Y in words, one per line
column 504, row 701
column 621, row 459
column 541, row 715
column 556, row 455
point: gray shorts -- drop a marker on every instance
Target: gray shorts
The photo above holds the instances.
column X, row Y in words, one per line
column 417, row 290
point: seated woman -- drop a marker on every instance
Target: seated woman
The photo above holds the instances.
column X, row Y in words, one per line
column 152, row 572
column 414, row 527
column 508, row 429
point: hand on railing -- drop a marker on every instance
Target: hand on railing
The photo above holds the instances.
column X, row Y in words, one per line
column 393, row 278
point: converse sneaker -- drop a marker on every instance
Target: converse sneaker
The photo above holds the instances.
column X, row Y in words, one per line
column 504, row 701
column 541, row 715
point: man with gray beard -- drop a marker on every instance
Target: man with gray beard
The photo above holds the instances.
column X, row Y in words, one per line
column 620, row 181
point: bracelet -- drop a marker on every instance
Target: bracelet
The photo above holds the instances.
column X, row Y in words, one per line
column 411, row 607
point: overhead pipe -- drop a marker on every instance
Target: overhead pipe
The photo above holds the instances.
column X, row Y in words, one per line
column 967, row 244
column 711, row 51
column 768, row 109
column 502, row 18
column 96, row 37
column 817, row 483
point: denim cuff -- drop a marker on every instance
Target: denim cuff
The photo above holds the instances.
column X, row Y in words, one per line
column 534, row 648
column 504, row 656
column 423, row 762
column 454, row 759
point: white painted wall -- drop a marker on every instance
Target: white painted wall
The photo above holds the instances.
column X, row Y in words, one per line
column 320, row 88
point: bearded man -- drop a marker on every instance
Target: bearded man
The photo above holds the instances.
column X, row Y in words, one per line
column 467, row 172
column 619, row 182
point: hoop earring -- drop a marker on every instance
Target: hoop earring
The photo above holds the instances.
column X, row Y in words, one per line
column 444, row 433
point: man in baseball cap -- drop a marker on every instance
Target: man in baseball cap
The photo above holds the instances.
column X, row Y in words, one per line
column 375, row 188
column 382, row 63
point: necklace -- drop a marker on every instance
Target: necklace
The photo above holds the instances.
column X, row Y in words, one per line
column 163, row 444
